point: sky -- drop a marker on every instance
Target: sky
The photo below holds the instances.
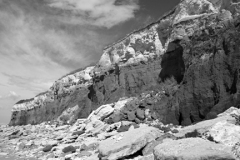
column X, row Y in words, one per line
column 42, row 40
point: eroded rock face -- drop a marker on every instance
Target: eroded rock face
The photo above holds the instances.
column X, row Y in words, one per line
column 190, row 56
column 65, row 93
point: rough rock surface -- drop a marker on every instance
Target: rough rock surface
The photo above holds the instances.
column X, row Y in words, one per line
column 180, row 70
column 127, row 143
column 148, row 140
column 190, row 56
column 192, row 149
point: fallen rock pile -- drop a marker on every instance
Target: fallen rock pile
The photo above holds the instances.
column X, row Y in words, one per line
column 93, row 138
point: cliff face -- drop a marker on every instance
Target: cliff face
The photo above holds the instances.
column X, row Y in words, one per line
column 191, row 55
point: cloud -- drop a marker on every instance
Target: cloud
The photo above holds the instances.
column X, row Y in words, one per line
column 34, row 84
column 12, row 95
column 36, row 43
column 37, row 47
column 44, row 37
column 103, row 13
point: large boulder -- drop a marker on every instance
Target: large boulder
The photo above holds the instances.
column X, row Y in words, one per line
column 102, row 112
column 127, row 143
column 224, row 119
column 192, row 149
column 225, row 133
column 95, row 127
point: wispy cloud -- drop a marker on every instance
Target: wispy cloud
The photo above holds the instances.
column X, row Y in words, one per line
column 37, row 47
column 104, row 13
column 12, row 96
column 37, row 41
column 34, row 84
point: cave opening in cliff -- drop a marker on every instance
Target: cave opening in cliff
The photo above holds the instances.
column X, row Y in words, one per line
column 233, row 88
column 172, row 63
column 92, row 93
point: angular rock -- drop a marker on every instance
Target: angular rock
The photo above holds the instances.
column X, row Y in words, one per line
column 84, row 154
column 148, row 149
column 89, row 147
column 203, row 126
column 123, row 128
column 52, row 142
column 131, row 115
column 225, row 133
column 15, row 134
column 192, row 149
column 147, row 157
column 127, row 143
column 95, row 127
column 140, row 114
column 62, row 127
column 102, row 112
column 78, row 133
column 69, row 148
column 47, row 148
column 3, row 154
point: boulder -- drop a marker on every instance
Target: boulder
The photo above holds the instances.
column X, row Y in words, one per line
column 84, row 154
column 47, row 148
column 203, row 126
column 78, row 133
column 140, row 114
column 52, row 142
column 3, row 154
column 69, row 148
column 64, row 127
column 95, row 127
column 192, row 149
column 123, row 128
column 15, row 134
column 148, row 149
column 147, row 157
column 127, row 143
column 90, row 147
column 131, row 115
column 21, row 146
column 102, row 112
column 226, row 133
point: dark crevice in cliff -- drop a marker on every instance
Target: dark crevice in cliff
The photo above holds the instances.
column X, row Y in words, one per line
column 92, row 94
column 192, row 118
column 101, row 77
column 180, row 119
column 117, row 73
column 237, row 24
column 172, row 63
column 201, row 116
column 225, row 47
column 233, row 88
column 215, row 93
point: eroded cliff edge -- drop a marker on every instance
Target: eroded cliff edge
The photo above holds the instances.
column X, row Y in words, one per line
column 191, row 55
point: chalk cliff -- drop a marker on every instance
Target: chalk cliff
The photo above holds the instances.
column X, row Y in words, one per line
column 190, row 56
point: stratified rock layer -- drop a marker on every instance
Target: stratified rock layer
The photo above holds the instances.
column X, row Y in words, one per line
column 191, row 56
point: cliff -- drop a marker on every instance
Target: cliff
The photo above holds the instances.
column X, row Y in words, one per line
column 190, row 55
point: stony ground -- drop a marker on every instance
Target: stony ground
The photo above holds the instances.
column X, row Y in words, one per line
column 93, row 139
